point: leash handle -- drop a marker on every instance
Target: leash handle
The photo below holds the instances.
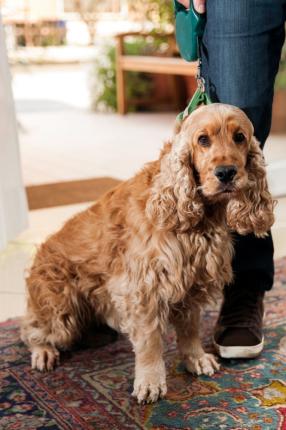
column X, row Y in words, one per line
column 189, row 25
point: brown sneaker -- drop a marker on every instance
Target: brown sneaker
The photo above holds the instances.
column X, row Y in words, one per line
column 238, row 332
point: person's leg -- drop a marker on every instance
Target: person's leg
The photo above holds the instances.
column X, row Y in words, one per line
column 241, row 52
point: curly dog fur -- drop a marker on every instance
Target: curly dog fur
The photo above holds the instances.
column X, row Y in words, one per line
column 153, row 250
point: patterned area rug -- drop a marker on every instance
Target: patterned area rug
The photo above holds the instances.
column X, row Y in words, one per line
column 91, row 389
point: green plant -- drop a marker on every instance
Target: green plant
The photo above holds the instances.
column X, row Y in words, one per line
column 280, row 83
column 158, row 16
column 139, row 85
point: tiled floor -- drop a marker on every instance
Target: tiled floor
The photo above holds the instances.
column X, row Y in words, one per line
column 73, row 144
column 17, row 257
column 61, row 139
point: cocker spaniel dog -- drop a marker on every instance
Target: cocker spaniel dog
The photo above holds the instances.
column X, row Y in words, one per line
column 154, row 250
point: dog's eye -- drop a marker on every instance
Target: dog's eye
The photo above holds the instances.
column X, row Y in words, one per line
column 238, row 137
column 204, row 140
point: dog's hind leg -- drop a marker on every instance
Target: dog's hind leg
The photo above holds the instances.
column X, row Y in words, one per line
column 44, row 340
column 37, row 334
column 54, row 321
column 44, row 357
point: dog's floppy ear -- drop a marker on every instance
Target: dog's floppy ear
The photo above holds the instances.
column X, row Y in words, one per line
column 252, row 210
column 174, row 203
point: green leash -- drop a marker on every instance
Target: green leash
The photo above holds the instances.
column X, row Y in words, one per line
column 189, row 32
column 200, row 97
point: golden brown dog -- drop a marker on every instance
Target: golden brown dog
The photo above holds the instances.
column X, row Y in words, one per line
column 153, row 250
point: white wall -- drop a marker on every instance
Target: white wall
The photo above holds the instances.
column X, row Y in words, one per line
column 13, row 205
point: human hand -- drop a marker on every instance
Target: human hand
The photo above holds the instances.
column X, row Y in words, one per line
column 200, row 5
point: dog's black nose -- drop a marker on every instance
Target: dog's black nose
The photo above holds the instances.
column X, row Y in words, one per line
column 225, row 174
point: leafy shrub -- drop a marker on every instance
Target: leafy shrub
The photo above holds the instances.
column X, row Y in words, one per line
column 138, row 85
column 158, row 15
column 280, row 82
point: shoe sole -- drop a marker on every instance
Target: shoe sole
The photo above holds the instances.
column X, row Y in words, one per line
column 239, row 351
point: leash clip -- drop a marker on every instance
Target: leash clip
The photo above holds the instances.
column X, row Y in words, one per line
column 200, row 80
column 201, row 84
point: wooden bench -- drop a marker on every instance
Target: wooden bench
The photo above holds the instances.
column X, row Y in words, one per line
column 169, row 65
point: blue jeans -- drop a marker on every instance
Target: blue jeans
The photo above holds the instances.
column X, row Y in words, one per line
column 240, row 58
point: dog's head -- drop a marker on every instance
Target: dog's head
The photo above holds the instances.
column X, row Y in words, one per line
column 219, row 138
column 216, row 159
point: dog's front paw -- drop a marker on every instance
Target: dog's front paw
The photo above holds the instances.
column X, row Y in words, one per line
column 44, row 358
column 204, row 365
column 149, row 389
